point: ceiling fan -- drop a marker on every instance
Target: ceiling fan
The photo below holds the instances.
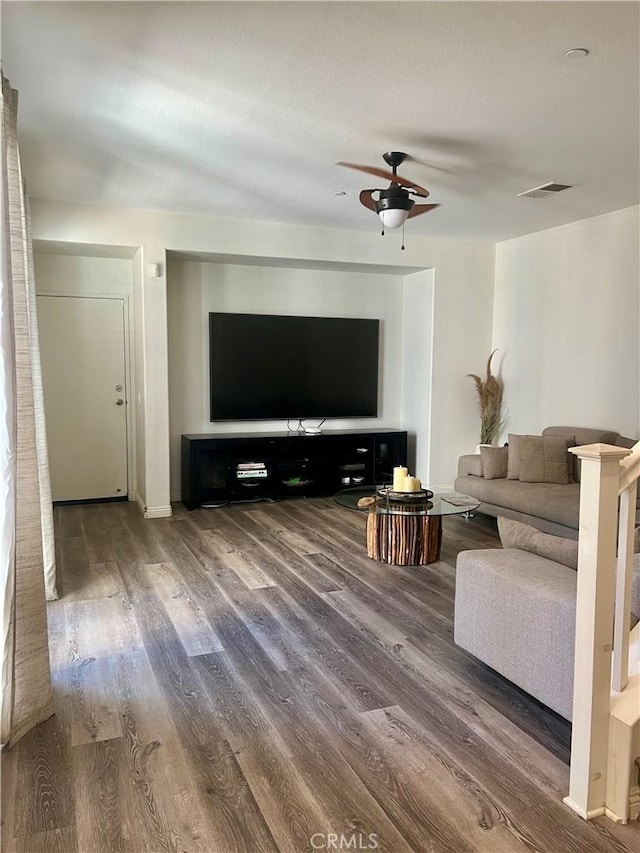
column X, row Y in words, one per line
column 394, row 205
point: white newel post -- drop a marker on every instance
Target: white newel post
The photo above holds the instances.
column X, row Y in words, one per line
column 600, row 477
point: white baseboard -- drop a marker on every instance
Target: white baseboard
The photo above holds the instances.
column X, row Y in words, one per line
column 587, row 815
column 158, row 512
column 175, row 497
column 153, row 511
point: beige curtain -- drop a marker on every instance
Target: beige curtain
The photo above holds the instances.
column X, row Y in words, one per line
column 26, row 683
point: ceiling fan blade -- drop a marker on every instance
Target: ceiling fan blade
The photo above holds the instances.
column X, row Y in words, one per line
column 388, row 176
column 366, row 198
column 422, row 208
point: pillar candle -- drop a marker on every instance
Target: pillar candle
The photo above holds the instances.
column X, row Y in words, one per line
column 411, row 484
column 399, row 475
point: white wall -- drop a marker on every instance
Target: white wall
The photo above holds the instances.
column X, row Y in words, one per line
column 417, row 365
column 566, row 321
column 71, row 274
column 463, row 295
column 194, row 289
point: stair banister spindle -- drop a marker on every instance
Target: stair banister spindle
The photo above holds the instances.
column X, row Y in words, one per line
column 626, row 524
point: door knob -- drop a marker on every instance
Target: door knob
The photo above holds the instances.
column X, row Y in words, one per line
column 119, row 402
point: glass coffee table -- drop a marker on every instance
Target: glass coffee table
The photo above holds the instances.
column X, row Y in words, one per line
column 404, row 528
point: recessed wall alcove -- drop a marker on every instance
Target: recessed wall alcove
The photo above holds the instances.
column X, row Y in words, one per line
column 400, row 297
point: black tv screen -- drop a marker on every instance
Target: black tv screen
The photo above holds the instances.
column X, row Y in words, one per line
column 266, row 367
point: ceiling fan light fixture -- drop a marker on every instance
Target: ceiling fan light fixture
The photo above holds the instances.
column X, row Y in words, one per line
column 394, row 206
column 393, row 217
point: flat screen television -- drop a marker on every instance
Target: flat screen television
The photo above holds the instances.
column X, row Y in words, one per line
column 265, row 366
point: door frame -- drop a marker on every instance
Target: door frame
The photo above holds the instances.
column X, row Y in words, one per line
column 128, row 372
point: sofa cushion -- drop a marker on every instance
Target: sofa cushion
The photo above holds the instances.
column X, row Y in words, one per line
column 515, row 534
column 583, row 435
column 544, row 460
column 494, row 462
column 513, row 467
column 516, row 612
column 551, row 501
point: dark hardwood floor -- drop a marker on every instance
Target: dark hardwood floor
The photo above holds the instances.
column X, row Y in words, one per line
column 245, row 680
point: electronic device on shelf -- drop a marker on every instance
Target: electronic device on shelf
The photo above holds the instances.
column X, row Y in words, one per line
column 251, row 470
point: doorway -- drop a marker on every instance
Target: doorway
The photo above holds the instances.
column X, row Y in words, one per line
column 84, row 374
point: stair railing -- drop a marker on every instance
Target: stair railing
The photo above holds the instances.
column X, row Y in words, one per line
column 628, row 492
column 608, row 480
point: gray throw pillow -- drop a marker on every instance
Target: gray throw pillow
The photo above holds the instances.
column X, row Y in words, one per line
column 515, row 534
column 544, row 459
column 513, row 467
column 494, row 462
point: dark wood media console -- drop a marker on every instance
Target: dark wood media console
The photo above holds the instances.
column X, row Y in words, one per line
column 224, row 467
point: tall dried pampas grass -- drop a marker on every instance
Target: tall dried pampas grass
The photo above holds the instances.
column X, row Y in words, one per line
column 490, row 403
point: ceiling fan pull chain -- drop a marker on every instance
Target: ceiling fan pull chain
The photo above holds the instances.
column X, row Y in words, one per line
column 402, row 247
column 382, row 232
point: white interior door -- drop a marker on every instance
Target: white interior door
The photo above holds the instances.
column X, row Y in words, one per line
column 82, row 346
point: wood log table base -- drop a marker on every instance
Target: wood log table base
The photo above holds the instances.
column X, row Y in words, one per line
column 404, row 539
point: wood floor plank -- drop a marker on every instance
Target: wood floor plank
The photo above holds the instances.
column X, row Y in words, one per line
column 8, row 782
column 459, row 799
column 73, row 562
column 103, row 795
column 230, row 608
column 148, row 729
column 451, row 746
column 247, row 569
column 101, row 627
column 195, row 631
column 233, row 680
column 98, row 541
column 370, row 622
column 272, row 522
column 43, row 799
column 142, row 705
column 93, row 700
column 342, row 795
column 400, row 788
column 55, row 841
column 551, row 730
column 237, row 709
column 542, row 767
column 234, row 819
column 551, row 824
column 268, row 559
column 289, row 807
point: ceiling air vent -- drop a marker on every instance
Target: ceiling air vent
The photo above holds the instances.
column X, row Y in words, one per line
column 544, row 190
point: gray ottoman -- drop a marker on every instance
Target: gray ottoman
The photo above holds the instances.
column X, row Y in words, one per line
column 516, row 612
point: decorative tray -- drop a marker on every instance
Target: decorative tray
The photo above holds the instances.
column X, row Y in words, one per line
column 407, row 497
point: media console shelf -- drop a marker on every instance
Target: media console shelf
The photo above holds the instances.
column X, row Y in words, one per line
column 225, row 467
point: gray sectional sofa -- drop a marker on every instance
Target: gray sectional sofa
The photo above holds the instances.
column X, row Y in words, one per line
column 551, row 507
column 515, row 607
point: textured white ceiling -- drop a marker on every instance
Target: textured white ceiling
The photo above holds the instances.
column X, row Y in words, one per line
column 243, row 109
